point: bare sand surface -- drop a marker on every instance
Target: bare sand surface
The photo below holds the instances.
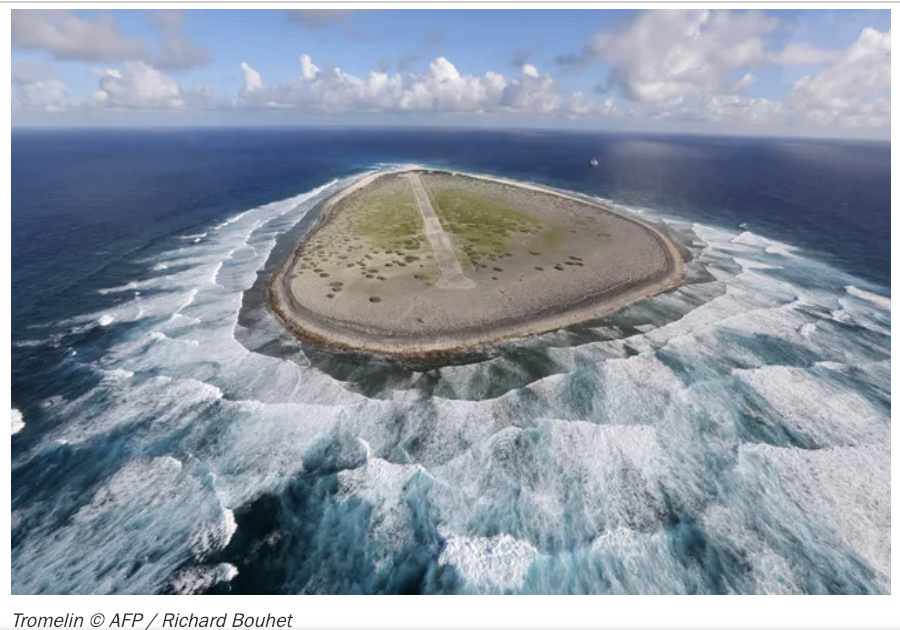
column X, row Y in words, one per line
column 366, row 277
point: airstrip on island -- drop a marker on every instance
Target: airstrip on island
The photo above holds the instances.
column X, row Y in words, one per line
column 418, row 262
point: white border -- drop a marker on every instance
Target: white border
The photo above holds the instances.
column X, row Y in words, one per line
column 338, row 612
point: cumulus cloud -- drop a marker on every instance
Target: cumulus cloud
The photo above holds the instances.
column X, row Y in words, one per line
column 668, row 55
column 308, row 70
column 46, row 95
column 137, row 86
column 252, row 79
column 698, row 66
column 682, row 64
column 97, row 38
column 854, row 89
column 442, row 89
column 140, row 86
column 532, row 93
column 67, row 36
column 37, row 87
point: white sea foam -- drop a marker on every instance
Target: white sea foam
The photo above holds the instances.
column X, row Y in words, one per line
column 632, row 562
column 215, row 271
column 118, row 374
column 51, row 402
column 106, row 319
column 768, row 245
column 196, row 238
column 823, row 411
column 381, row 483
column 879, row 300
column 843, row 491
column 228, row 222
column 570, row 474
column 18, row 423
column 32, row 343
column 131, row 286
column 146, row 510
column 500, row 561
column 212, row 535
column 771, row 571
column 197, row 579
column 160, row 405
column 230, row 526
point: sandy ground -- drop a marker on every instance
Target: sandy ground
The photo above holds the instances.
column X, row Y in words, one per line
column 596, row 262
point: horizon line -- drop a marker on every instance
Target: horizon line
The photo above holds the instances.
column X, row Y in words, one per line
column 448, row 129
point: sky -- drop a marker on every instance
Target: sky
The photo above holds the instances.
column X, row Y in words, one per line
column 820, row 73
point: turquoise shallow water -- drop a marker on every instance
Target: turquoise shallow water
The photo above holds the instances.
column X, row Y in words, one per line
column 730, row 436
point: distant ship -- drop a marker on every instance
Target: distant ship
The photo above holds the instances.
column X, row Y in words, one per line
column 594, row 162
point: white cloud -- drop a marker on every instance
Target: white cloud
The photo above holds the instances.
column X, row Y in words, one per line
column 138, row 86
column 442, row 89
column 532, row 93
column 743, row 83
column 668, row 55
column 308, row 70
column 801, row 53
column 579, row 105
column 46, row 95
column 38, row 88
column 252, row 79
column 698, row 66
column 67, row 36
column 855, row 89
column 681, row 65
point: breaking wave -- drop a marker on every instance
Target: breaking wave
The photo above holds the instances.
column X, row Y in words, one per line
column 730, row 436
column 18, row 423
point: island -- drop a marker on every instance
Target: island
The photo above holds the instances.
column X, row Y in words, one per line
column 418, row 262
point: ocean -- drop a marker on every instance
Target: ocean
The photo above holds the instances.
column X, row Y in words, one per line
column 169, row 436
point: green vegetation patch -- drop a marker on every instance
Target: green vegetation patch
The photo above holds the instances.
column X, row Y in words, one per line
column 483, row 227
column 378, row 226
column 390, row 220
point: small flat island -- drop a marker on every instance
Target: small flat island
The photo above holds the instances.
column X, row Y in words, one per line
column 418, row 262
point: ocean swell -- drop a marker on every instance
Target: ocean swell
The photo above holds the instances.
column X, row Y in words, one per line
column 729, row 436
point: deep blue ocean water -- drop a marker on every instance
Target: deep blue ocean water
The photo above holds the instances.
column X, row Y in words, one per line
column 730, row 436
